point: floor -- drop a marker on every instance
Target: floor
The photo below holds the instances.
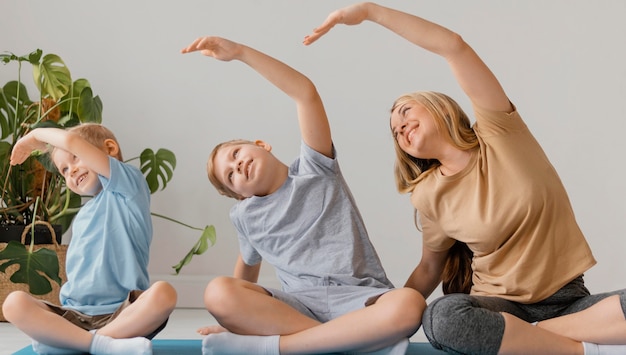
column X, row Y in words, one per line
column 182, row 325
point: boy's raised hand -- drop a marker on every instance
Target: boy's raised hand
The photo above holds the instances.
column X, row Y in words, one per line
column 24, row 147
column 216, row 47
column 350, row 15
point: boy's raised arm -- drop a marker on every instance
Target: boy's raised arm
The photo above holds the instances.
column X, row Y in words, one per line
column 39, row 138
column 312, row 117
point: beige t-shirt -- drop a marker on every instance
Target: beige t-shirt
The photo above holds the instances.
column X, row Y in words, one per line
column 510, row 207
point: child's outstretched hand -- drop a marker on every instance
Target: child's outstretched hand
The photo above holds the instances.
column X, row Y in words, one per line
column 216, row 47
column 24, row 147
column 351, row 15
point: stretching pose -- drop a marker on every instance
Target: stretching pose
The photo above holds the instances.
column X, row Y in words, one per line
column 301, row 219
column 107, row 304
column 489, row 185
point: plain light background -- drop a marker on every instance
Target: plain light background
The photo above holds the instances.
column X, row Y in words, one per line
column 560, row 61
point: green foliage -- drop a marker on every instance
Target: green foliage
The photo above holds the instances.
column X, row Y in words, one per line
column 52, row 76
column 208, row 236
column 158, row 168
column 31, row 265
column 62, row 103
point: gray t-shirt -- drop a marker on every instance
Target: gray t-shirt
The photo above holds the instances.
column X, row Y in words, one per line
column 310, row 229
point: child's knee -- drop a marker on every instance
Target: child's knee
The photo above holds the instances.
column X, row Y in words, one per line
column 218, row 287
column 622, row 301
column 220, row 293
column 411, row 307
column 165, row 294
column 404, row 308
column 15, row 304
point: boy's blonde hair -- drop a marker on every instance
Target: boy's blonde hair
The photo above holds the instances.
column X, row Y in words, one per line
column 96, row 134
column 210, row 168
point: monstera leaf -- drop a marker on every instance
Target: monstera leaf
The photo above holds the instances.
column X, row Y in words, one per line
column 14, row 104
column 5, row 151
column 31, row 266
column 52, row 77
column 158, row 168
column 89, row 107
column 208, row 235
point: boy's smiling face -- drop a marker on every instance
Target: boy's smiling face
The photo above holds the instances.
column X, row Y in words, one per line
column 78, row 177
column 247, row 169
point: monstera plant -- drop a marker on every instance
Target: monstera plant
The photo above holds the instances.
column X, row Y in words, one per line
column 34, row 191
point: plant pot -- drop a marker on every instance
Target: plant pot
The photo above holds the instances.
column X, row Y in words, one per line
column 41, row 274
column 42, row 234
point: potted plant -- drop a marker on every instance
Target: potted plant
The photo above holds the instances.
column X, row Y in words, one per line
column 33, row 192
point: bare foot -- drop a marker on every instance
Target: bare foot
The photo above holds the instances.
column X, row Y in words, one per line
column 211, row 329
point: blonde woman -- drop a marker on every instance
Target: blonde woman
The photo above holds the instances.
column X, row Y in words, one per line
column 491, row 187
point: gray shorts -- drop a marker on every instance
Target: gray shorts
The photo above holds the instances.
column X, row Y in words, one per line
column 89, row 322
column 324, row 303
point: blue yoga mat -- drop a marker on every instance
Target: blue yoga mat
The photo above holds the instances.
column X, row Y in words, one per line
column 194, row 347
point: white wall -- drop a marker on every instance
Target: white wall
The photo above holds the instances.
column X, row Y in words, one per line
column 561, row 62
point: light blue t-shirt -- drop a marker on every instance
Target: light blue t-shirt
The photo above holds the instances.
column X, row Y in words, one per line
column 310, row 229
column 109, row 251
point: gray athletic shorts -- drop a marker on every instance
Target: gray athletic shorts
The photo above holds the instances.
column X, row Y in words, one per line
column 324, row 303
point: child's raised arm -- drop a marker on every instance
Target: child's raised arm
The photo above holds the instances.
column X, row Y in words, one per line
column 312, row 117
column 40, row 138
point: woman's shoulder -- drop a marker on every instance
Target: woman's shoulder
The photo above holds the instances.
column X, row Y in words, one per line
column 490, row 122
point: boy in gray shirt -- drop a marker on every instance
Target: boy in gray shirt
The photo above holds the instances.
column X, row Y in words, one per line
column 301, row 219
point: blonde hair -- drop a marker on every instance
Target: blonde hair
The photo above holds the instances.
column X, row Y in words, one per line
column 449, row 118
column 96, row 134
column 210, row 168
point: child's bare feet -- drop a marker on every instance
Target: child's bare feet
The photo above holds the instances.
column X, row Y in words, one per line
column 211, row 329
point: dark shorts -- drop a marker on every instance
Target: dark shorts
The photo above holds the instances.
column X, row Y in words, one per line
column 465, row 324
column 88, row 322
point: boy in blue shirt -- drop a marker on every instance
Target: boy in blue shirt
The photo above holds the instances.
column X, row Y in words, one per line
column 107, row 303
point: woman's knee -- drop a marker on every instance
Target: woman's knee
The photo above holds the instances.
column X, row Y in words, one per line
column 457, row 323
column 443, row 315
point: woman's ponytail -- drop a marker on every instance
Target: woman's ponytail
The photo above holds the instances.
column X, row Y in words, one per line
column 457, row 273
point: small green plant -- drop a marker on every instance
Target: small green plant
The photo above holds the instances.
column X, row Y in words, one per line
column 32, row 264
column 33, row 191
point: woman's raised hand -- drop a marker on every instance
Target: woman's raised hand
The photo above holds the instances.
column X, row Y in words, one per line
column 351, row 15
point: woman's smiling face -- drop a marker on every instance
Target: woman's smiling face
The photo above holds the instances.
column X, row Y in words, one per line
column 413, row 127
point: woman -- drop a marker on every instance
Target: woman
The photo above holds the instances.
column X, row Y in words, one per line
column 491, row 187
